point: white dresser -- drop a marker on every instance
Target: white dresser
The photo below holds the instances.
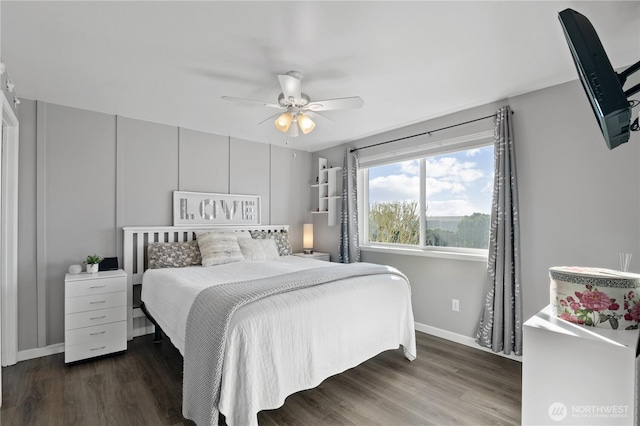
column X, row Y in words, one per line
column 95, row 310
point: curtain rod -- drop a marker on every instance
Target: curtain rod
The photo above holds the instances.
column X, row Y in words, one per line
column 426, row 133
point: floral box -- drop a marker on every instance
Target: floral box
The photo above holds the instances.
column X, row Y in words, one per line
column 596, row 297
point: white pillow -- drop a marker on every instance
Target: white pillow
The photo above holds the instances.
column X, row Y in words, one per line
column 242, row 235
column 217, row 248
column 258, row 249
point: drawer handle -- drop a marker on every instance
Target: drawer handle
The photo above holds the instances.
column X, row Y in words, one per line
column 93, row 303
column 104, row 316
column 95, row 334
column 97, row 349
column 97, row 286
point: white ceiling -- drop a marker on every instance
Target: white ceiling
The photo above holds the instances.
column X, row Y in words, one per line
column 170, row 62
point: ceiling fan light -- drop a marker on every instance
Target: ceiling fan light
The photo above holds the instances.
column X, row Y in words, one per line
column 306, row 124
column 293, row 131
column 283, row 122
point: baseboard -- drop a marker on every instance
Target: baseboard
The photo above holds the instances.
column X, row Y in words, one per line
column 460, row 338
column 141, row 331
column 39, row 352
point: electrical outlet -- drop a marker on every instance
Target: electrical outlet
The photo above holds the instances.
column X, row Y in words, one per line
column 455, row 305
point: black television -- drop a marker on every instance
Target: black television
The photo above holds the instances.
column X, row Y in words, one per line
column 601, row 83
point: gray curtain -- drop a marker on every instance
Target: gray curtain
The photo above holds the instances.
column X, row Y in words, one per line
column 349, row 244
column 500, row 326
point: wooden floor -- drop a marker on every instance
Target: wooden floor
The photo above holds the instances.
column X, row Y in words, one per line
column 449, row 384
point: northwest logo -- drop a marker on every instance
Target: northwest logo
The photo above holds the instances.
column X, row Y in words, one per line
column 557, row 411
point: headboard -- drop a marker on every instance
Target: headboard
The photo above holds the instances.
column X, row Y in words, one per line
column 135, row 241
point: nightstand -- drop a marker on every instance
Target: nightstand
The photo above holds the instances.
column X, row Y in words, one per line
column 95, row 320
column 315, row 255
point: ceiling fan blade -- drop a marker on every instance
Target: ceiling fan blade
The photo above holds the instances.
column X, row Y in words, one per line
column 290, row 87
column 251, row 101
column 314, row 114
column 271, row 117
column 339, row 103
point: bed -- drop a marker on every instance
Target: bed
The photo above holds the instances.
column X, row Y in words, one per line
column 325, row 319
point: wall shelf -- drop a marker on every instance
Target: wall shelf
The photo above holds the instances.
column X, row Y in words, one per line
column 328, row 190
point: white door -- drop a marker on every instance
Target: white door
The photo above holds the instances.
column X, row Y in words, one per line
column 8, row 236
column 2, row 145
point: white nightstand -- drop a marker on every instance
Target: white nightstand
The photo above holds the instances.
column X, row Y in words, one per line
column 315, row 255
column 95, row 320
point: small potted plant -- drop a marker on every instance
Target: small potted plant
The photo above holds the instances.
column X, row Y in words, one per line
column 92, row 263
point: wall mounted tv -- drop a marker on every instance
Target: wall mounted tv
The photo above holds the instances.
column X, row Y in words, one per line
column 601, row 83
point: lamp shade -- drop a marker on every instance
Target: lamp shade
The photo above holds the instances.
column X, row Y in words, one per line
column 306, row 124
column 283, row 122
column 307, row 237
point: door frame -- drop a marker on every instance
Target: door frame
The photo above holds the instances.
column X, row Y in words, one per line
column 9, row 237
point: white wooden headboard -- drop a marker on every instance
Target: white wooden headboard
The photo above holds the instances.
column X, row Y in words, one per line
column 135, row 241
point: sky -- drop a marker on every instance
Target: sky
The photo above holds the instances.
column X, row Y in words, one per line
column 457, row 184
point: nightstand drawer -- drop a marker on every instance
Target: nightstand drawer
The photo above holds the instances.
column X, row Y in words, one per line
column 97, row 317
column 98, row 333
column 316, row 255
column 91, row 349
column 96, row 301
column 95, row 286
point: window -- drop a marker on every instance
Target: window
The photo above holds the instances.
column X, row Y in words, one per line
column 441, row 200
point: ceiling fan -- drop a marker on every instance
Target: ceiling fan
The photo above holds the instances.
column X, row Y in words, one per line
column 298, row 107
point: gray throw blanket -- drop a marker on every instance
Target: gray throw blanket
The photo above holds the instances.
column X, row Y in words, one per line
column 208, row 324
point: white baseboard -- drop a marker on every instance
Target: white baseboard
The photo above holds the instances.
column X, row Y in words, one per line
column 141, row 331
column 462, row 339
column 39, row 352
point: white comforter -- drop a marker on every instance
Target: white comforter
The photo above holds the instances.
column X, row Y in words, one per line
column 291, row 341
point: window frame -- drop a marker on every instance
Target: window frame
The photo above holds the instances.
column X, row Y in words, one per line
column 468, row 142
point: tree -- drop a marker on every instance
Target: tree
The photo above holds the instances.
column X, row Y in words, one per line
column 398, row 223
column 442, row 237
column 394, row 222
column 473, row 231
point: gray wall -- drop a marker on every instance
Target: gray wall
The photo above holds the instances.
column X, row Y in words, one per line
column 579, row 204
column 80, row 182
column 84, row 175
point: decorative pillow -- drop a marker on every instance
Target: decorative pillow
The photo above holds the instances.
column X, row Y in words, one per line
column 240, row 234
column 262, row 249
column 173, row 255
column 281, row 239
column 217, row 248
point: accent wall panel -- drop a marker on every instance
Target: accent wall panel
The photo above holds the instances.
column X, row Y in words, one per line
column 27, row 278
column 147, row 172
column 204, row 162
column 84, row 175
column 249, row 164
column 80, row 194
column 290, row 191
